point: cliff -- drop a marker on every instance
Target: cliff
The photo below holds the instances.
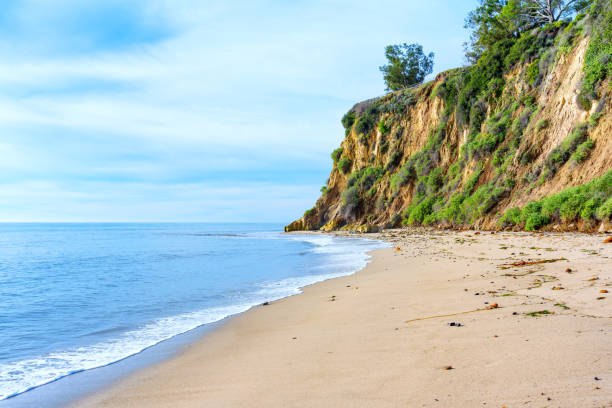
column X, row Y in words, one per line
column 520, row 140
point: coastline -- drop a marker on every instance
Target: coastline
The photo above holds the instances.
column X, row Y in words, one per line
column 381, row 337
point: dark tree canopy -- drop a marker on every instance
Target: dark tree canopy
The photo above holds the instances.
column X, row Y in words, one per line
column 407, row 66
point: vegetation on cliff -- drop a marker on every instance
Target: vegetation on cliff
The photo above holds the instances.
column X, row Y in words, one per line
column 519, row 139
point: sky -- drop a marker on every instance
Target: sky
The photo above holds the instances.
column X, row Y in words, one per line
column 191, row 110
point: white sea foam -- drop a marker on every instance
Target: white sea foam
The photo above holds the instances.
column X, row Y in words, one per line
column 344, row 258
column 20, row 376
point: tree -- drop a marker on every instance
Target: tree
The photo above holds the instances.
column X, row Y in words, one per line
column 495, row 20
column 492, row 21
column 407, row 66
column 542, row 12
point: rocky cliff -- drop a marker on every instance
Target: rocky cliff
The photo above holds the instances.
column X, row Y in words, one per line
column 520, row 140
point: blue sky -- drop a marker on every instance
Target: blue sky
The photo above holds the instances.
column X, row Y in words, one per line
column 191, row 110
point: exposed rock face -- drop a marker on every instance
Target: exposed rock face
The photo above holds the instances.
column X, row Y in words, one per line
column 428, row 147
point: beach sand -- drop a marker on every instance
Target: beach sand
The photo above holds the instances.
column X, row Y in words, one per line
column 529, row 336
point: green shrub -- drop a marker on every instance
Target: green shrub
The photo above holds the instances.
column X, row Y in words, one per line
column 382, row 127
column 542, row 124
column 511, row 217
column 421, row 162
column 597, row 60
column 594, row 119
column 336, row 154
column 521, row 122
column 588, row 201
column 351, row 198
column 533, row 72
column 536, row 221
column 366, row 121
column 418, row 213
column 345, row 165
column 394, row 160
column 365, row 178
column 583, row 99
column 434, row 181
column 398, row 103
column 324, row 190
column 583, row 150
column 482, row 145
column 562, row 153
column 473, row 180
column 453, row 211
column 308, row 213
column 572, row 206
column 589, row 209
column 482, row 201
column 348, row 119
column 605, row 210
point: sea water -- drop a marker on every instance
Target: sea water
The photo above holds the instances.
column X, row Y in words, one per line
column 74, row 297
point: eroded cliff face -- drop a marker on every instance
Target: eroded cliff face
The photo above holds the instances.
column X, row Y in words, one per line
column 463, row 149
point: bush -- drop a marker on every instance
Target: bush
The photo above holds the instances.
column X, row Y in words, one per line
column 434, row 181
column 589, row 201
column 583, row 150
column 421, row 162
column 336, row 154
column 365, row 178
column 364, row 125
column 533, row 72
column 597, row 59
column 394, row 160
column 482, row 145
column 519, row 125
column 562, row 153
column 308, row 213
column 605, row 210
column 399, row 103
column 348, row 119
column 594, row 119
column 351, row 198
column 542, row 124
column 382, row 127
column 473, row 180
column 535, row 222
column 345, row 165
column 511, row 217
column 482, row 201
column 589, row 209
column 420, row 211
column 366, row 121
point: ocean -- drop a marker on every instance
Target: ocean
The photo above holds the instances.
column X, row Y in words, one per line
column 74, row 297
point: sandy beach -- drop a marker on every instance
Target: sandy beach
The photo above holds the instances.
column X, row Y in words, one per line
column 440, row 319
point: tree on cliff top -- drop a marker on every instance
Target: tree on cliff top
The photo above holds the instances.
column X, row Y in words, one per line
column 407, row 66
column 495, row 20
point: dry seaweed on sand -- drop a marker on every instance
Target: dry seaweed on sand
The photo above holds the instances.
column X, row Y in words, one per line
column 527, row 263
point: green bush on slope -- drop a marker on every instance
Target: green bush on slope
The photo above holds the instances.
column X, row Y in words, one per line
column 345, row 164
column 590, row 202
column 597, row 59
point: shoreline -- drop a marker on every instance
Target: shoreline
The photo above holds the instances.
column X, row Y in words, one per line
column 381, row 336
column 73, row 387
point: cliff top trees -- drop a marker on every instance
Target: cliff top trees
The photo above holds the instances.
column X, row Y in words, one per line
column 495, row 20
column 407, row 66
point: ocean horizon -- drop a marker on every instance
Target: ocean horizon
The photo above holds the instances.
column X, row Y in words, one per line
column 78, row 296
